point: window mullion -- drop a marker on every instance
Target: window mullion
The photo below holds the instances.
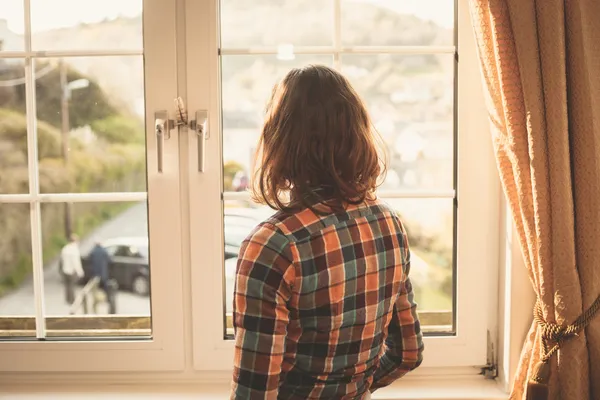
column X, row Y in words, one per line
column 337, row 34
column 34, row 186
column 332, row 50
column 72, row 53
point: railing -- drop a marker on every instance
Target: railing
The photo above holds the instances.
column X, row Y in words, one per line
column 432, row 322
column 82, row 300
column 92, row 293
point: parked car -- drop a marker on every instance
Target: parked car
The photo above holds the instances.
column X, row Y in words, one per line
column 128, row 264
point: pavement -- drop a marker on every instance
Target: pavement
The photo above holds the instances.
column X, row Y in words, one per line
column 132, row 222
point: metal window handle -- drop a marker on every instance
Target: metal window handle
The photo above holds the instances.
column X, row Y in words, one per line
column 162, row 129
column 200, row 126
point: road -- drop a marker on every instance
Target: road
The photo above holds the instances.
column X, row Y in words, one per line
column 132, row 222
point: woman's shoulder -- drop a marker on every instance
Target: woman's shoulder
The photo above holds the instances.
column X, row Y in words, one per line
column 268, row 233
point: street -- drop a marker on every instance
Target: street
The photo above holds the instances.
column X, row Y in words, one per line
column 132, row 222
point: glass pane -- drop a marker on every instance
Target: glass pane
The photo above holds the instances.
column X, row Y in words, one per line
column 17, row 302
column 13, row 128
column 91, row 131
column 11, row 26
column 111, row 244
column 429, row 223
column 247, row 82
column 274, row 22
column 86, row 25
column 430, row 227
column 411, row 101
column 239, row 218
column 399, row 23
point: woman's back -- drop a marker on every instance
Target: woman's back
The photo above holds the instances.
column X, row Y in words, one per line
column 340, row 281
column 323, row 308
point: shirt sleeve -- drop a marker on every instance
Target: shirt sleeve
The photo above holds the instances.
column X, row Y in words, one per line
column 263, row 285
column 403, row 348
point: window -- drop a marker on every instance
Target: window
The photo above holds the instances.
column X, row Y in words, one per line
column 111, row 250
column 89, row 144
column 406, row 61
column 79, row 158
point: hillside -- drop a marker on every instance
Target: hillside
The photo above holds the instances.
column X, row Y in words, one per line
column 264, row 22
column 244, row 24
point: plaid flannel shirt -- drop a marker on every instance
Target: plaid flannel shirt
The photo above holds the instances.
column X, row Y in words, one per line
column 323, row 306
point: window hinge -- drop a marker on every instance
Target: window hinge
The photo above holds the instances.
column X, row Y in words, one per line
column 490, row 370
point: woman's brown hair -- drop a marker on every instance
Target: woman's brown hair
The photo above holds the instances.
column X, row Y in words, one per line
column 317, row 144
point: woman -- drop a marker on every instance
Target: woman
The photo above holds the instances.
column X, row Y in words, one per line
column 323, row 307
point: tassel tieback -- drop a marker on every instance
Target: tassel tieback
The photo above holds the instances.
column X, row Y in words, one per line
column 553, row 336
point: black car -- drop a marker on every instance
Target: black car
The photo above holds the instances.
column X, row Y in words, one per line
column 128, row 265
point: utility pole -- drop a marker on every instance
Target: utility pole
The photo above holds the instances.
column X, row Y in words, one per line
column 64, row 113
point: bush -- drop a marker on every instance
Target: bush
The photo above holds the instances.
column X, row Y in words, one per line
column 15, row 245
column 229, row 170
column 13, row 132
column 86, row 105
column 119, row 129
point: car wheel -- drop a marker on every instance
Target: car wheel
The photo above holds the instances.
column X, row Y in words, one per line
column 140, row 285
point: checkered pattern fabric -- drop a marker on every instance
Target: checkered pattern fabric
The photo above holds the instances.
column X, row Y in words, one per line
column 323, row 306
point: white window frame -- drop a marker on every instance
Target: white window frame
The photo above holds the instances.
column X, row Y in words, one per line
column 187, row 276
column 478, row 195
column 164, row 351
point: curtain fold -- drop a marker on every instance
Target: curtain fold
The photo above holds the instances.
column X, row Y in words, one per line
column 540, row 62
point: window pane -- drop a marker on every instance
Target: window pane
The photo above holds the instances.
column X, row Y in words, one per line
column 11, row 26
column 411, row 101
column 430, row 227
column 112, row 245
column 429, row 223
column 398, row 23
column 86, row 25
column 13, row 128
column 16, row 288
column 247, row 82
column 239, row 218
column 91, row 135
column 273, row 22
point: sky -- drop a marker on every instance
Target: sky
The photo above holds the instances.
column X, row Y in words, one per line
column 49, row 14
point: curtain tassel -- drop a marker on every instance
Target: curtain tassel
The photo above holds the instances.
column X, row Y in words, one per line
column 537, row 387
column 552, row 336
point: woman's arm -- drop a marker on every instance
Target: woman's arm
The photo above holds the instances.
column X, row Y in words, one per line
column 404, row 344
column 263, row 286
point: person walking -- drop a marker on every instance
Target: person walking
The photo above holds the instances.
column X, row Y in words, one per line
column 100, row 261
column 70, row 262
column 323, row 302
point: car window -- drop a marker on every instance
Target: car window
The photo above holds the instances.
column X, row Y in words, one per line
column 143, row 251
column 237, row 228
column 234, row 235
column 111, row 250
column 122, row 251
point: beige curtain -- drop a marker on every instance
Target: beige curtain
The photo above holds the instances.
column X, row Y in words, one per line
column 541, row 66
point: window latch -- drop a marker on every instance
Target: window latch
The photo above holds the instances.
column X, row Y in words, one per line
column 162, row 129
column 198, row 125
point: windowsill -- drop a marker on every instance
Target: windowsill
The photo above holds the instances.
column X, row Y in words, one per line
column 455, row 389
column 443, row 389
